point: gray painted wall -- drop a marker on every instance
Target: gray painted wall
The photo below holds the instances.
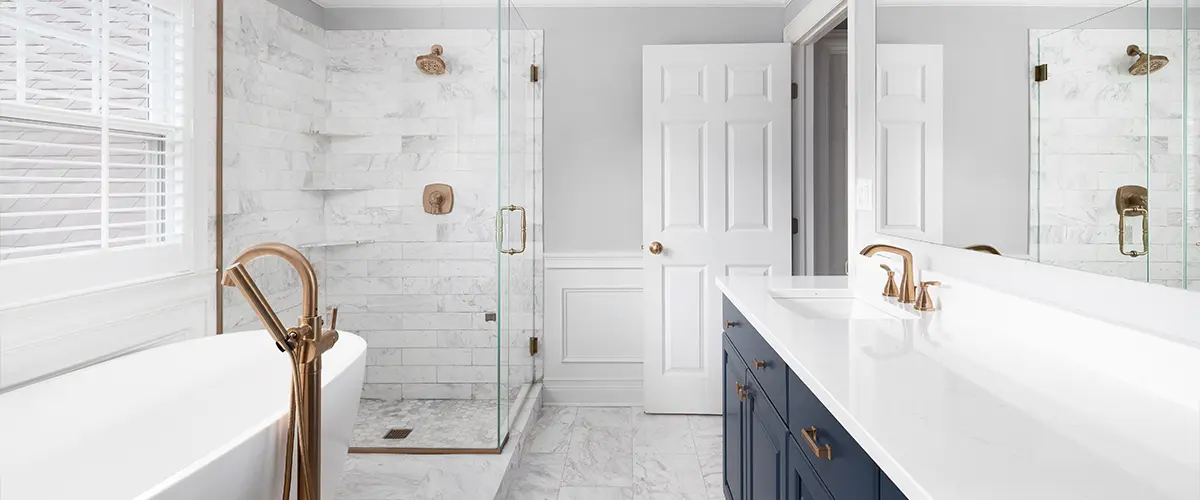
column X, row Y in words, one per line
column 306, row 9
column 987, row 105
column 593, row 100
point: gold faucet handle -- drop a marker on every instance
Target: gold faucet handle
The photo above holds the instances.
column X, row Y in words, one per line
column 924, row 300
column 333, row 318
column 890, row 289
column 329, row 337
column 888, row 269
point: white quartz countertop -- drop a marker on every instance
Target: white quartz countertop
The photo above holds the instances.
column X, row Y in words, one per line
column 993, row 397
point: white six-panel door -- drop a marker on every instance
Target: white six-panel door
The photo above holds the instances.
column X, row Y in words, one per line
column 909, row 150
column 716, row 152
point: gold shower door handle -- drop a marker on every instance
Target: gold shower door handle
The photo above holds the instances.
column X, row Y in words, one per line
column 500, row 229
column 1132, row 202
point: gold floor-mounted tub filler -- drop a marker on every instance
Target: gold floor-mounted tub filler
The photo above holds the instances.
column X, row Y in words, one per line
column 304, row 343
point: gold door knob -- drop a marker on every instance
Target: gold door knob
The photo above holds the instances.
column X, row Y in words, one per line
column 656, row 248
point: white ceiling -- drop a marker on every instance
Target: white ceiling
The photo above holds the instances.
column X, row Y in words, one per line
column 553, row 3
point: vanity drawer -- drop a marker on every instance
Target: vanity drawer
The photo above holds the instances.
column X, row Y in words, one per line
column 847, row 471
column 765, row 364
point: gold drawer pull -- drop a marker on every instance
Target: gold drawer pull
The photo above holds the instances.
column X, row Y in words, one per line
column 810, row 437
column 759, row 364
column 730, row 324
column 741, row 391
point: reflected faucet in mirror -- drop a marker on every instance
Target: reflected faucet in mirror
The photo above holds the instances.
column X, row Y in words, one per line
column 304, row 343
column 984, row 249
column 908, row 290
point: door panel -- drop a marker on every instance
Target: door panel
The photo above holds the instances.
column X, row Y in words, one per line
column 909, row 150
column 716, row 194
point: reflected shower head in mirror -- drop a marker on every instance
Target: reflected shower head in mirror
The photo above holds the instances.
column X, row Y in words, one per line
column 432, row 63
column 1146, row 63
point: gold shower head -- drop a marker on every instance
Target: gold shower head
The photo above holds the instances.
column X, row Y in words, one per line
column 432, row 63
column 1146, row 63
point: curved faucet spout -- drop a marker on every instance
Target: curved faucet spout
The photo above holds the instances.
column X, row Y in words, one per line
column 908, row 288
column 308, row 276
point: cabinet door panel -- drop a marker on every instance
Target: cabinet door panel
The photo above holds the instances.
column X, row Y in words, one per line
column 766, row 451
column 732, row 414
column 802, row 482
column 888, row 489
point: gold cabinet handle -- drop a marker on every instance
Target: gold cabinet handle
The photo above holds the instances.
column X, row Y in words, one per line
column 500, row 229
column 759, row 364
column 741, row 391
column 730, row 324
column 810, row 437
column 656, row 247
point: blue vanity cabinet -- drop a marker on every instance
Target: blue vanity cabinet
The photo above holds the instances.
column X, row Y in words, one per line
column 802, row 482
column 766, row 447
column 780, row 440
column 733, row 416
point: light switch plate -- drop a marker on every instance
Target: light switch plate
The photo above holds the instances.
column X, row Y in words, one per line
column 864, row 195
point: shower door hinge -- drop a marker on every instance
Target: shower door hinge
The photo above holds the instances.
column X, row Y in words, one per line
column 533, row 73
column 795, row 90
column 1041, row 72
column 533, row 346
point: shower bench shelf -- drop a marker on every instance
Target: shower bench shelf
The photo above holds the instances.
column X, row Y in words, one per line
column 326, row 244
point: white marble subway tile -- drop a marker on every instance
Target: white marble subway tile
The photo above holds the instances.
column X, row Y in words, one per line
column 466, row 374
column 439, row 356
column 437, row 321
column 402, row 374
column 402, row 338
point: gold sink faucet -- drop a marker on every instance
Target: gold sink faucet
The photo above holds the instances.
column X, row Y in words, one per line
column 908, row 290
column 304, row 344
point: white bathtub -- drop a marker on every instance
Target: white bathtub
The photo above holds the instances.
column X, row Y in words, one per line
column 201, row 419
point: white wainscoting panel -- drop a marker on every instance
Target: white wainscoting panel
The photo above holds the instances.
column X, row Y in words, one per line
column 594, row 327
column 50, row 338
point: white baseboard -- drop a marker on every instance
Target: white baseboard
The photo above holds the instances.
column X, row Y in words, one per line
column 593, row 392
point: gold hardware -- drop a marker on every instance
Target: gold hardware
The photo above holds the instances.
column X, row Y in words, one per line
column 907, row 289
column 984, row 249
column 730, row 324
column 889, row 289
column 1132, row 202
column 432, row 63
column 741, row 391
column 304, row 344
column 500, row 229
column 533, row 346
column 397, row 433
column 656, row 247
column 438, row 199
column 533, row 73
column 759, row 364
column 1041, row 72
column 810, row 437
column 924, row 300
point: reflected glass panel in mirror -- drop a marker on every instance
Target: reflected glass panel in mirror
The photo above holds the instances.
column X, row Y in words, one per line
column 1038, row 133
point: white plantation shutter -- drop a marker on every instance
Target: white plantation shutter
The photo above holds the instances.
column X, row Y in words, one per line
column 93, row 129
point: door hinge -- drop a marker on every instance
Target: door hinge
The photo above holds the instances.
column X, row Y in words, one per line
column 795, row 90
column 795, row 225
column 533, row 73
column 533, row 346
column 1041, row 72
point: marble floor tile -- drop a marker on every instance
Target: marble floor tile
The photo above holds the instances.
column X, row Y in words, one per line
column 668, row 477
column 595, row 493
column 538, row 478
column 434, row 423
column 599, row 456
column 552, row 432
column 662, row 434
column 382, row 477
column 605, row 417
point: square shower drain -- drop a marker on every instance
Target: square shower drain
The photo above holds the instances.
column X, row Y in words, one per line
column 397, row 434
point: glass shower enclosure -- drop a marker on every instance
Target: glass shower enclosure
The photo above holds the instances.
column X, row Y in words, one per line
column 406, row 165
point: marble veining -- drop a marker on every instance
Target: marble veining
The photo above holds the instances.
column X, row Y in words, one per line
column 590, row 453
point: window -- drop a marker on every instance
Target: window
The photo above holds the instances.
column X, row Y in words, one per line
column 93, row 149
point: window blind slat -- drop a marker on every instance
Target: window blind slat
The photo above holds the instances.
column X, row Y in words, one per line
column 91, row 95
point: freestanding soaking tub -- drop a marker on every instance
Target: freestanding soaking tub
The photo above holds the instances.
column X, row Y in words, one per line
column 201, row 419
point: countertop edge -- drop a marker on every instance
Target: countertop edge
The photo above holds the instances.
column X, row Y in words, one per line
column 896, row 472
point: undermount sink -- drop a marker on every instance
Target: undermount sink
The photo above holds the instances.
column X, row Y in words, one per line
column 841, row 308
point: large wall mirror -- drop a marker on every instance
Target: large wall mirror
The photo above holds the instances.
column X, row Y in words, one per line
column 1062, row 135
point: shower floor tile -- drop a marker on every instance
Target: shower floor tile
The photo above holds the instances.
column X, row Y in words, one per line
column 434, row 423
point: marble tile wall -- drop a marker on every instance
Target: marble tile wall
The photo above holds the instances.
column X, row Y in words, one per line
column 420, row 292
column 1093, row 131
column 274, row 93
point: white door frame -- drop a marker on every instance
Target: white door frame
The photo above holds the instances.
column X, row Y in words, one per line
column 808, row 27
